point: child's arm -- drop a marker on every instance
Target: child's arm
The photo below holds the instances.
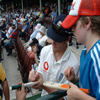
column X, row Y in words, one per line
column 70, row 75
column 74, row 93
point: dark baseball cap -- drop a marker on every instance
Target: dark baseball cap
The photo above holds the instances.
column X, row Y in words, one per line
column 56, row 32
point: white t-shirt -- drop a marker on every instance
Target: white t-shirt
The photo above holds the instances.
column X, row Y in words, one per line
column 42, row 41
column 9, row 31
column 15, row 22
column 54, row 71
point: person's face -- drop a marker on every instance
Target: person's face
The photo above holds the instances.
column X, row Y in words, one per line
column 80, row 32
column 24, row 23
column 41, row 33
column 35, row 48
column 58, row 46
column 8, row 26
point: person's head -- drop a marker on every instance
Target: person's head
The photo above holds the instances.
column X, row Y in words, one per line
column 84, row 18
column 13, row 27
column 53, row 9
column 59, row 35
column 9, row 25
column 85, row 27
column 25, row 22
column 34, row 45
column 42, row 30
column 37, row 27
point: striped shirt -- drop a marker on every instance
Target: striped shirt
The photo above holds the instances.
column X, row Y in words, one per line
column 90, row 70
column 13, row 34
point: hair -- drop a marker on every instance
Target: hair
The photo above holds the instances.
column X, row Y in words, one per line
column 95, row 23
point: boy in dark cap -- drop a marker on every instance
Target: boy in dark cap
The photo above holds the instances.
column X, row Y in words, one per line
column 54, row 58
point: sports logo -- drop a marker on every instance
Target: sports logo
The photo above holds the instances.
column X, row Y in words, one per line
column 45, row 66
column 60, row 77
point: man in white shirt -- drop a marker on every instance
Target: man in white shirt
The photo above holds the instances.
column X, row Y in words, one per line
column 54, row 59
column 7, row 33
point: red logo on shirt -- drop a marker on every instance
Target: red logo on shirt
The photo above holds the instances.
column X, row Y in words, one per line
column 46, row 66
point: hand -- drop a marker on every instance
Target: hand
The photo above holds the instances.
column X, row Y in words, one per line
column 73, row 91
column 32, row 75
column 6, row 31
column 69, row 73
column 22, row 30
column 21, row 93
column 29, row 49
column 38, row 79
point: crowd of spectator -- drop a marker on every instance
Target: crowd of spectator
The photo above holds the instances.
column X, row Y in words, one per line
column 20, row 23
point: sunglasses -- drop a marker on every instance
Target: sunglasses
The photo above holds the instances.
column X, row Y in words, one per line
column 59, row 30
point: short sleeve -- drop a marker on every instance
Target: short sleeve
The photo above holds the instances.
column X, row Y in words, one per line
column 2, row 73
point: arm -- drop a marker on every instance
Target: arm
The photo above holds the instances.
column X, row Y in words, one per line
column 35, row 50
column 23, row 30
column 21, row 93
column 70, row 75
column 39, row 82
column 6, row 90
column 74, row 93
column 36, row 59
column 51, row 90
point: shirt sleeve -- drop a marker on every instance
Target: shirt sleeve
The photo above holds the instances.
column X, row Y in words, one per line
column 2, row 73
column 95, row 81
column 13, row 35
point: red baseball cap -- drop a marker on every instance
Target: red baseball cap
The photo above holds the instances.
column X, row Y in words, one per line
column 81, row 8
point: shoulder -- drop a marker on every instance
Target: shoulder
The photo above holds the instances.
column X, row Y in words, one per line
column 70, row 58
column 95, row 53
column 46, row 49
column 2, row 73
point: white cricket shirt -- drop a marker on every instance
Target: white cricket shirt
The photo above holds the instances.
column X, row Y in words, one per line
column 54, row 71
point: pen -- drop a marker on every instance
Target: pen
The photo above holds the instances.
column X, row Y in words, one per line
column 33, row 69
column 30, row 84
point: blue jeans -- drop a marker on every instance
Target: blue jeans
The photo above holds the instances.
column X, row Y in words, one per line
column 8, row 46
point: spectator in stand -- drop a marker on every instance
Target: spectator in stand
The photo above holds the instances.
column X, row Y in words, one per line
column 47, row 11
column 53, row 13
column 8, row 45
column 42, row 40
column 24, row 30
column 36, row 31
column 22, row 18
column 31, row 23
column 17, row 19
column 33, row 35
column 41, row 16
column 2, row 25
column 38, row 14
column 7, row 33
column 14, row 22
column 34, row 53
